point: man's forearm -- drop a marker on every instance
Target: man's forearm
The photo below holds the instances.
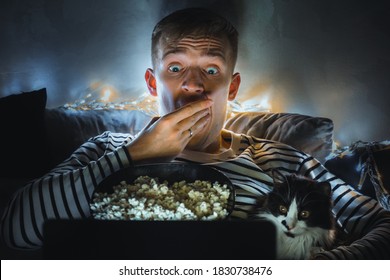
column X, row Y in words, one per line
column 63, row 195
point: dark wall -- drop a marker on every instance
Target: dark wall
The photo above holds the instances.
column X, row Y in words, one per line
column 328, row 58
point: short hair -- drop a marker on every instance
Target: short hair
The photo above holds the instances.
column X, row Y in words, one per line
column 194, row 22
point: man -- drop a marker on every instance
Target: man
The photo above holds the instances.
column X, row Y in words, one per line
column 194, row 53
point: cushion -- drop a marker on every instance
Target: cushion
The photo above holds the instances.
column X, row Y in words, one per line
column 312, row 135
column 23, row 139
column 68, row 129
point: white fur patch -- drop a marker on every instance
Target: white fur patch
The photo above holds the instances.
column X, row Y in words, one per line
column 306, row 240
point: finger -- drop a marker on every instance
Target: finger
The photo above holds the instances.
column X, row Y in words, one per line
column 190, row 109
column 196, row 127
column 192, row 120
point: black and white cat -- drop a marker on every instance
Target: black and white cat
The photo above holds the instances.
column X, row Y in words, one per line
column 301, row 210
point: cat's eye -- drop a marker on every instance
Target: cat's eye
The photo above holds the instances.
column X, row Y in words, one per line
column 282, row 209
column 304, row 214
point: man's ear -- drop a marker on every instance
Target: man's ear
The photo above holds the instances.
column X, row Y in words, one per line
column 234, row 85
column 151, row 81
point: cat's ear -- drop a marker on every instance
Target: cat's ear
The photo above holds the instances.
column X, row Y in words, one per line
column 324, row 187
column 278, row 176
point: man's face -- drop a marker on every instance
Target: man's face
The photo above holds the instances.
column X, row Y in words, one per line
column 195, row 68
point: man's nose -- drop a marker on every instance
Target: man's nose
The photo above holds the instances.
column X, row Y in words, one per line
column 193, row 82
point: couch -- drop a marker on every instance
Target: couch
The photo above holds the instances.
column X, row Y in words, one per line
column 35, row 139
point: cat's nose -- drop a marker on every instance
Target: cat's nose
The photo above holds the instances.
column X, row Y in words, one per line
column 288, row 227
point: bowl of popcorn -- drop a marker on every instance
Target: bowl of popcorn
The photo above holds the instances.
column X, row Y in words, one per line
column 169, row 191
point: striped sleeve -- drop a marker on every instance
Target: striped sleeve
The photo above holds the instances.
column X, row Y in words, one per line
column 64, row 192
column 375, row 244
column 360, row 216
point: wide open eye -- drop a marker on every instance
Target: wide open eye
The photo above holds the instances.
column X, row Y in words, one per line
column 304, row 214
column 175, row 68
column 282, row 209
column 212, row 70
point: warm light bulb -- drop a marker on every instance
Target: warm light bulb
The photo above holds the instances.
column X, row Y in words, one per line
column 265, row 103
column 106, row 95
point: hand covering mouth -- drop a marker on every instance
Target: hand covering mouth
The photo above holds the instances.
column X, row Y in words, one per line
column 187, row 99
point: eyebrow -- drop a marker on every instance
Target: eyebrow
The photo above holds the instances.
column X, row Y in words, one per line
column 212, row 52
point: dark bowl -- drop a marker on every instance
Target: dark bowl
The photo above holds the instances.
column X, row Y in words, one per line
column 171, row 172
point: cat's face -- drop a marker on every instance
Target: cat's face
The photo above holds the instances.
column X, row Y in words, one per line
column 299, row 205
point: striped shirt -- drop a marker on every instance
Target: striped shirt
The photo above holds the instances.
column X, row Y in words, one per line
column 65, row 192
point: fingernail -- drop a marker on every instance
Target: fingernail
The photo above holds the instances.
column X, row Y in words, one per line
column 209, row 102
